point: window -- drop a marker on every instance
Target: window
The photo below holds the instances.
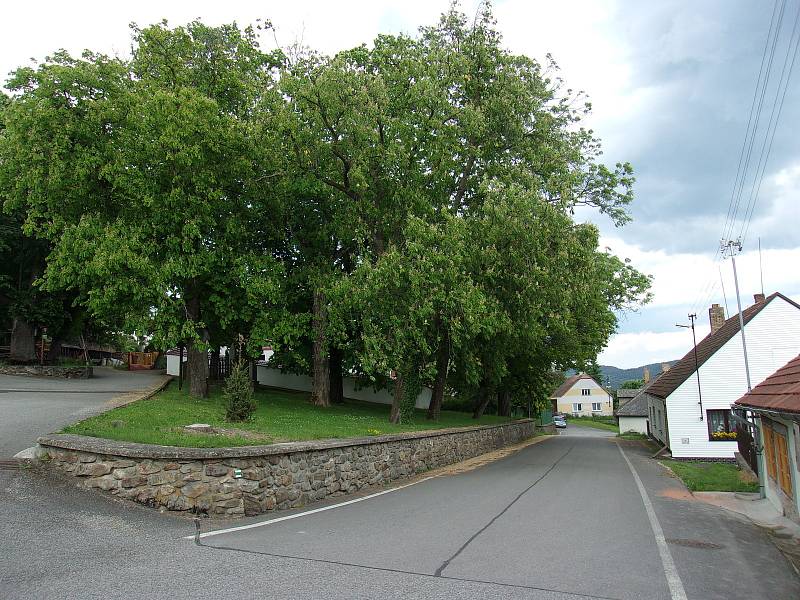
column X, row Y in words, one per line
column 586, row 392
column 596, row 407
column 721, row 427
column 577, row 407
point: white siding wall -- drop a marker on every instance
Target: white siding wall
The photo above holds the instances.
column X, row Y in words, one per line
column 658, row 420
column 773, row 339
column 637, row 424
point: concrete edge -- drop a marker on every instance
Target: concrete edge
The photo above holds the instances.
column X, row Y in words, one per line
column 82, row 443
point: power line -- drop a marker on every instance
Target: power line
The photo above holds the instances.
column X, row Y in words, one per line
column 768, row 140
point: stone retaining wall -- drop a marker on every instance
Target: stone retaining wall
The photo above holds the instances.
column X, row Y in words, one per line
column 47, row 371
column 254, row 479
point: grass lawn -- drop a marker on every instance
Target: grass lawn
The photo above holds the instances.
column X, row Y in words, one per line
column 281, row 416
column 711, row 477
column 632, row 435
column 597, row 423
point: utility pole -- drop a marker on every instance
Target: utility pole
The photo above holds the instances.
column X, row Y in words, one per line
column 692, row 318
column 732, row 247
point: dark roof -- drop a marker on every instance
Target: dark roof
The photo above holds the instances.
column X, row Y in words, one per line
column 567, row 385
column 636, row 407
column 681, row 371
column 628, row 393
column 780, row 391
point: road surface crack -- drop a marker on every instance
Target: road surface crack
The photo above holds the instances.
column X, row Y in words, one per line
column 445, row 564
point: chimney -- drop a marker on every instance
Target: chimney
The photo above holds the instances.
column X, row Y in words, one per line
column 664, row 367
column 759, row 298
column 716, row 315
column 646, row 375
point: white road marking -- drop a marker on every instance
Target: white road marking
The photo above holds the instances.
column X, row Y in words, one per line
column 670, row 571
column 306, row 513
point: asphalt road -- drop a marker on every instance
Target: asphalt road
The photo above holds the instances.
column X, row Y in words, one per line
column 33, row 406
column 562, row 519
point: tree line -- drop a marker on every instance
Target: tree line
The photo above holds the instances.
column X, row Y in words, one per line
column 401, row 211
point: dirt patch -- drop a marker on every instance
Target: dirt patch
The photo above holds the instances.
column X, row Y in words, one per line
column 260, row 438
column 677, row 494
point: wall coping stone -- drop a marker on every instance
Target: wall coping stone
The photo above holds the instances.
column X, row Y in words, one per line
column 33, row 370
column 105, row 446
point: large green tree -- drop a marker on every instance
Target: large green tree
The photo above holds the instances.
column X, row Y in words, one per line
column 144, row 175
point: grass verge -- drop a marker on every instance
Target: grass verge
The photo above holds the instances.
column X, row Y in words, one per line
column 632, row 435
column 594, row 423
column 711, row 477
column 281, row 416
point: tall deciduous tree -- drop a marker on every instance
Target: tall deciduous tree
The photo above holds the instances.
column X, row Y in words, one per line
column 144, row 176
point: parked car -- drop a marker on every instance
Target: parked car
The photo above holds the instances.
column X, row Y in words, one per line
column 560, row 422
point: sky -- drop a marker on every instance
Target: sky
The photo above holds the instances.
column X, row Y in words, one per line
column 671, row 83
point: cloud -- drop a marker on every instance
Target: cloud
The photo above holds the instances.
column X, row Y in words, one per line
column 630, row 350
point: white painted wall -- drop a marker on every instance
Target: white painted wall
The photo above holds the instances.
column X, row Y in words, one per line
column 637, row 424
column 274, row 378
column 773, row 339
column 172, row 364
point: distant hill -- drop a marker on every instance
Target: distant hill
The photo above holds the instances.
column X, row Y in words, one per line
column 613, row 377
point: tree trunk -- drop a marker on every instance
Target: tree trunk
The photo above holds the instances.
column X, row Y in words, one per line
column 23, row 342
column 397, row 400
column 321, row 384
column 482, row 402
column 197, row 370
column 54, row 353
column 504, row 403
column 442, row 360
column 196, row 356
column 336, row 378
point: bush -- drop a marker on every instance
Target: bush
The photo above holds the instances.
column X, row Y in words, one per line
column 239, row 401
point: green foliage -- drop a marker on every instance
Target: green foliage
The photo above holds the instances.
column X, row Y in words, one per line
column 422, row 187
column 238, row 393
column 632, row 384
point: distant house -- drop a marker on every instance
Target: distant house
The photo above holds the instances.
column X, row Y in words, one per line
column 775, row 403
column 582, row 396
column 697, row 423
column 633, row 416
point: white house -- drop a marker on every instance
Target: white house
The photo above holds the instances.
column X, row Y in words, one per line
column 632, row 416
column 582, row 396
column 695, row 422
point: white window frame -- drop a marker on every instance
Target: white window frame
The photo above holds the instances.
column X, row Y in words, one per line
column 577, row 407
column 599, row 406
column 586, row 392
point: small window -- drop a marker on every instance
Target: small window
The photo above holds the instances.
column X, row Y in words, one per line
column 721, row 427
column 577, row 407
column 586, row 392
column 596, row 406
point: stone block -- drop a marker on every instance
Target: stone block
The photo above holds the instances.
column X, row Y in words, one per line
column 216, row 470
column 95, row 469
column 195, row 489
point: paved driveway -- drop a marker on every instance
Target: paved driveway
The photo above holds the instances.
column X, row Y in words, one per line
column 32, row 406
column 562, row 519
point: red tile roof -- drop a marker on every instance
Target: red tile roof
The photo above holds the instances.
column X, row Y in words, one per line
column 706, row 348
column 780, row 391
